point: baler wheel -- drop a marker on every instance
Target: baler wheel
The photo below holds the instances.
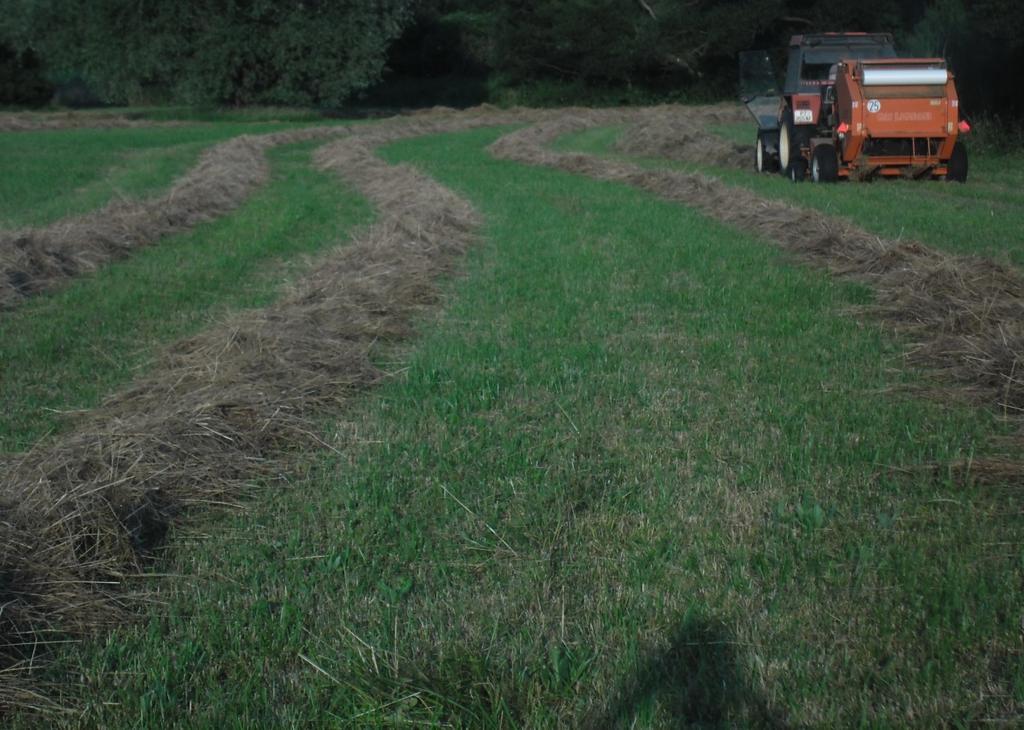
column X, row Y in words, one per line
column 957, row 166
column 824, row 164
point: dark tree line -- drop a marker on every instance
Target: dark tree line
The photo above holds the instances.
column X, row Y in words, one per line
column 689, row 48
column 300, row 52
column 323, row 52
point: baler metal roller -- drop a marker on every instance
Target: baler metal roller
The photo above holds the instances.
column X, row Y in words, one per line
column 905, row 77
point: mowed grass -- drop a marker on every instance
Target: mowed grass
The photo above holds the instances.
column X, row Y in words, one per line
column 65, row 351
column 641, row 473
column 983, row 217
column 54, row 174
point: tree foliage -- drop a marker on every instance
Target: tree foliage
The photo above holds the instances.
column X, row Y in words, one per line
column 21, row 78
column 603, row 41
column 611, row 41
column 667, row 44
column 227, row 51
column 322, row 51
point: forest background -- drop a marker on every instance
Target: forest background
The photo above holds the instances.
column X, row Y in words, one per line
column 350, row 54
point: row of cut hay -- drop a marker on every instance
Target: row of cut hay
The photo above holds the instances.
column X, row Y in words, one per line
column 81, row 513
column 41, row 259
column 34, row 122
column 963, row 315
column 681, row 133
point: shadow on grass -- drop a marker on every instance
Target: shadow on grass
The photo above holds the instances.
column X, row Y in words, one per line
column 695, row 682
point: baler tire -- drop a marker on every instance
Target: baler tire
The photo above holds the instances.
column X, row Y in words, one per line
column 957, row 165
column 824, row 164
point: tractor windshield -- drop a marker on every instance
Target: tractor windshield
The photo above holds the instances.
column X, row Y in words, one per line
column 833, row 54
column 816, row 71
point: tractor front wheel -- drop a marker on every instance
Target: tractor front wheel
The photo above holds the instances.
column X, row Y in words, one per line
column 957, row 165
column 763, row 159
column 824, row 164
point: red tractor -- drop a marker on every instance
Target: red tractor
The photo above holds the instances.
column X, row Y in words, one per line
column 850, row 108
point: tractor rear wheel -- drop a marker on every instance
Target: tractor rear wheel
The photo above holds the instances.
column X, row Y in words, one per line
column 824, row 164
column 957, row 165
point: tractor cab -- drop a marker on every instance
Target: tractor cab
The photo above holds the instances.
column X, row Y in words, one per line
column 812, row 58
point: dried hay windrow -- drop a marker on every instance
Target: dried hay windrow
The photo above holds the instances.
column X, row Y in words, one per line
column 82, row 512
column 680, row 133
column 30, row 122
column 41, row 259
column 963, row 314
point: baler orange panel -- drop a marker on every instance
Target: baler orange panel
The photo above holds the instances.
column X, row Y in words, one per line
column 850, row 104
column 952, row 120
column 902, row 111
column 889, row 115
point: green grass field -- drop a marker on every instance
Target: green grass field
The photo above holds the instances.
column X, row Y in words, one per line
column 61, row 173
column 65, row 351
column 985, row 216
column 643, row 471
